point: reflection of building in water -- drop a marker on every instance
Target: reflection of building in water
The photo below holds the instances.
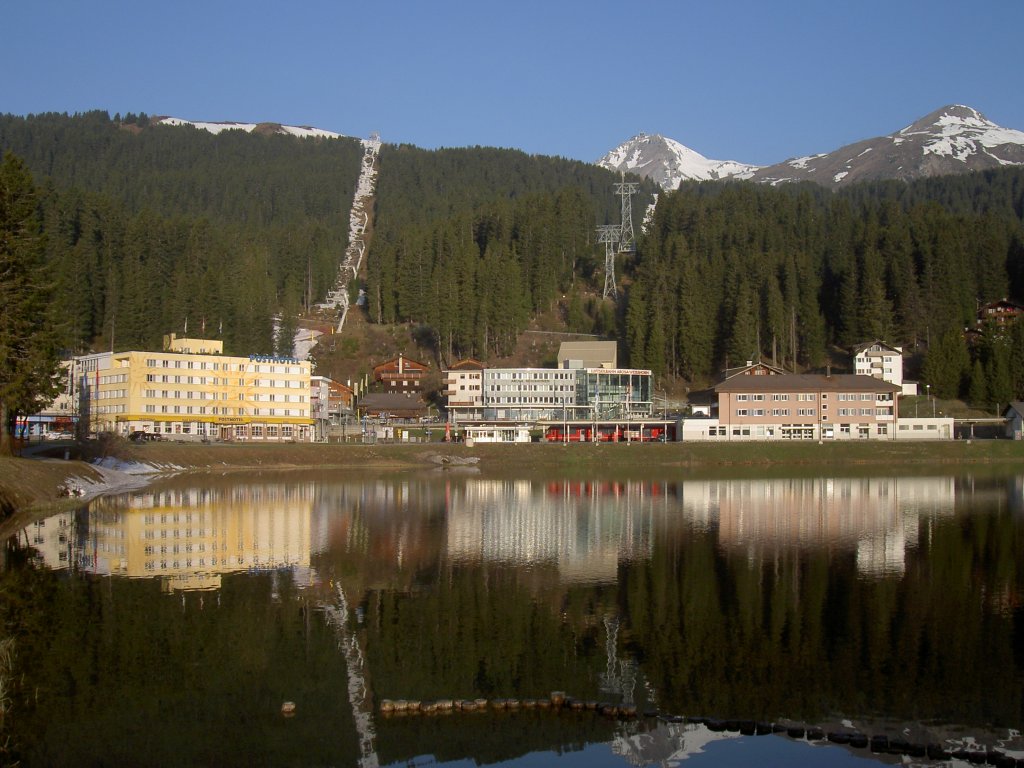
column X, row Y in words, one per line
column 53, row 539
column 876, row 517
column 189, row 538
column 585, row 529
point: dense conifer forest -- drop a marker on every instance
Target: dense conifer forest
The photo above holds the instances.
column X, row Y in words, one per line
column 149, row 225
column 146, row 225
column 730, row 272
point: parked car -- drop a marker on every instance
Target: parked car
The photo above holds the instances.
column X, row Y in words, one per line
column 59, row 436
column 143, row 437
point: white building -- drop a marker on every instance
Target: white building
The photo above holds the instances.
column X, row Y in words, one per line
column 883, row 361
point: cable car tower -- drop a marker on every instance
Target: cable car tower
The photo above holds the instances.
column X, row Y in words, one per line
column 618, row 238
column 609, row 235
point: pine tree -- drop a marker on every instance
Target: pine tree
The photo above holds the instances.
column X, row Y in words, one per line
column 29, row 335
column 946, row 365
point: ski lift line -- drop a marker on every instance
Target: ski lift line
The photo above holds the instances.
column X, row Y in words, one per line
column 359, row 219
column 358, row 690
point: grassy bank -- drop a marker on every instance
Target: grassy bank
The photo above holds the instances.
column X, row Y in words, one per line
column 30, row 482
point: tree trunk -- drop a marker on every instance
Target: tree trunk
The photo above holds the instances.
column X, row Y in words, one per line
column 6, row 441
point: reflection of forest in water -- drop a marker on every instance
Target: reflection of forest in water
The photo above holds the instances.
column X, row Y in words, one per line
column 803, row 598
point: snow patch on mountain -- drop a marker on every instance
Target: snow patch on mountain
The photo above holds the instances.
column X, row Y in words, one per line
column 959, row 132
column 302, row 131
column 668, row 163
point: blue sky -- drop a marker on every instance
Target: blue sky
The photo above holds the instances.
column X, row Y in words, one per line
column 757, row 81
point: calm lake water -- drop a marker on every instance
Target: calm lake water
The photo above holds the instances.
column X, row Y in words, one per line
column 167, row 627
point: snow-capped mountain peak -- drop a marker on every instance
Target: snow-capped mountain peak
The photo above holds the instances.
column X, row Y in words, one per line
column 667, row 162
column 957, row 131
column 954, row 139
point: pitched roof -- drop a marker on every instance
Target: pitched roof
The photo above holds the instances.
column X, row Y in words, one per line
column 806, row 382
column 858, row 348
column 1014, row 405
column 468, row 364
column 408, row 365
column 744, row 370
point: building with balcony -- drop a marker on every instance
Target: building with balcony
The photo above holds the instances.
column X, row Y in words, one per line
column 400, row 374
column 883, row 361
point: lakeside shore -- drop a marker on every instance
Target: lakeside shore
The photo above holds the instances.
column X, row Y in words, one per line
column 26, row 483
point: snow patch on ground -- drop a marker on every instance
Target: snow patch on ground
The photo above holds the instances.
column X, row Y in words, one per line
column 302, row 131
column 117, row 476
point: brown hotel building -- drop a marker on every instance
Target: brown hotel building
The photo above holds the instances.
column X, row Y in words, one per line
column 806, row 407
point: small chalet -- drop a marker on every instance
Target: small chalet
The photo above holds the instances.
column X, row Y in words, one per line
column 401, row 374
column 1000, row 313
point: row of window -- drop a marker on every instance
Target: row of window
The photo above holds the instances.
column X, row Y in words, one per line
column 201, row 410
column 532, row 376
column 562, row 401
column 812, row 397
column 271, row 397
column 792, row 431
column 204, row 365
column 225, row 382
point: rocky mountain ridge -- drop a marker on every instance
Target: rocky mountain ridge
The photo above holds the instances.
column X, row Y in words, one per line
column 950, row 140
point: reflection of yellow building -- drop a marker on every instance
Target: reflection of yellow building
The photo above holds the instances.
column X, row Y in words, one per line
column 190, row 538
column 191, row 390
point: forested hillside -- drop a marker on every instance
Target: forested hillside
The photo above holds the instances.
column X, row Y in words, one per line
column 149, row 225
column 734, row 271
column 471, row 244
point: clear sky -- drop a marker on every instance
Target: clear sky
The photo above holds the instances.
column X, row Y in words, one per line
column 757, row 81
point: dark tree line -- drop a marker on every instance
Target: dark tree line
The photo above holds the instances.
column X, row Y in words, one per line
column 732, row 272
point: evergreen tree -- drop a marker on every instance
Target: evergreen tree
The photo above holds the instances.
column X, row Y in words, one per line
column 946, row 365
column 28, row 329
column 977, row 392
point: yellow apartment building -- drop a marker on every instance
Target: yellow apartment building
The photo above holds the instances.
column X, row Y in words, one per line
column 191, row 390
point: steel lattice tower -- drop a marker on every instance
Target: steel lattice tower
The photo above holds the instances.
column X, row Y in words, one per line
column 626, row 190
column 609, row 234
